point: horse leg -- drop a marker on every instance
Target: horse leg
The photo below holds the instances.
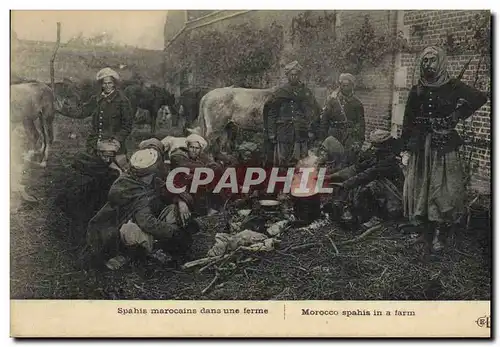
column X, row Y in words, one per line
column 231, row 133
column 32, row 137
column 47, row 122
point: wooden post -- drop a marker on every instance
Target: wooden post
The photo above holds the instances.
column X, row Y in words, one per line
column 58, row 41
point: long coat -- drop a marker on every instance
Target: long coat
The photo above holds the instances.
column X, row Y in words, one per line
column 291, row 114
column 350, row 115
column 435, row 180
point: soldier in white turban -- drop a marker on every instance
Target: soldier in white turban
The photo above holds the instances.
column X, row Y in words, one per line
column 140, row 212
column 434, row 193
column 111, row 112
column 193, row 156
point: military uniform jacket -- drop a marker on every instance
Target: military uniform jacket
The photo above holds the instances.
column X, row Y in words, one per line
column 293, row 112
column 112, row 117
column 350, row 114
column 429, row 110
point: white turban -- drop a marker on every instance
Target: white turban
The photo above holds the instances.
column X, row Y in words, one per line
column 108, row 145
column 152, row 143
column 144, row 161
column 107, row 72
column 197, row 138
column 347, row 77
column 294, row 65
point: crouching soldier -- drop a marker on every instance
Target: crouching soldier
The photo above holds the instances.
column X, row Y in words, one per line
column 373, row 186
column 135, row 219
column 331, row 154
column 193, row 156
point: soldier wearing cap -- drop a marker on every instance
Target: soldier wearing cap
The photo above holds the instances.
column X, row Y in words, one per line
column 135, row 216
column 343, row 116
column 291, row 118
column 374, row 185
column 111, row 112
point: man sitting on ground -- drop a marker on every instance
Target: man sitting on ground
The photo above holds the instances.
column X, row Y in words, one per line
column 373, row 186
column 135, row 216
column 192, row 156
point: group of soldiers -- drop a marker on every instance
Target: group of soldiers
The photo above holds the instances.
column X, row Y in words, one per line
column 141, row 217
column 420, row 174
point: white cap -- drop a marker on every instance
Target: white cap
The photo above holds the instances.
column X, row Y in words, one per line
column 144, row 158
column 107, row 72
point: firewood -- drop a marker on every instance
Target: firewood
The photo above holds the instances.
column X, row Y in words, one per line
column 362, row 236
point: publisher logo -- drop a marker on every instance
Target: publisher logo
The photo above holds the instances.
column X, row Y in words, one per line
column 483, row 322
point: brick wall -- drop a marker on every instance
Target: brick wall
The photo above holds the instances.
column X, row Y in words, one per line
column 379, row 80
column 424, row 28
column 385, row 87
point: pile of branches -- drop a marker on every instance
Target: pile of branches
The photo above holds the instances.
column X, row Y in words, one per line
column 239, row 260
column 324, row 261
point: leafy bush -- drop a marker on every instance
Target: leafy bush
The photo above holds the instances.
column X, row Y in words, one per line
column 226, row 57
column 332, row 54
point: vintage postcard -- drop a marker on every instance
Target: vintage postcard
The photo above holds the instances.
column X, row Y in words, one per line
column 251, row 173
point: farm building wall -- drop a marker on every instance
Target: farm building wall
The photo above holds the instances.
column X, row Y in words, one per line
column 377, row 82
column 386, row 86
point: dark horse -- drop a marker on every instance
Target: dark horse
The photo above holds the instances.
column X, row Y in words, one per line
column 151, row 99
column 189, row 105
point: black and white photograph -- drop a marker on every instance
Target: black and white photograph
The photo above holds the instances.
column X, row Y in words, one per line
column 270, row 155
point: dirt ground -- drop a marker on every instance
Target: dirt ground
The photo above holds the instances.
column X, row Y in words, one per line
column 44, row 262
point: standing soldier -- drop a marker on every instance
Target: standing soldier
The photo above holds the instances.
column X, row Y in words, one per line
column 111, row 113
column 345, row 114
column 112, row 121
column 292, row 118
column 434, row 193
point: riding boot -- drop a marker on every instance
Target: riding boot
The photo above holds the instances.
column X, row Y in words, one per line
column 425, row 237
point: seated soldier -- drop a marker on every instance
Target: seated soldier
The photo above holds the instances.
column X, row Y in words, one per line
column 192, row 156
column 87, row 187
column 372, row 188
column 135, row 215
column 247, row 156
column 331, row 154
